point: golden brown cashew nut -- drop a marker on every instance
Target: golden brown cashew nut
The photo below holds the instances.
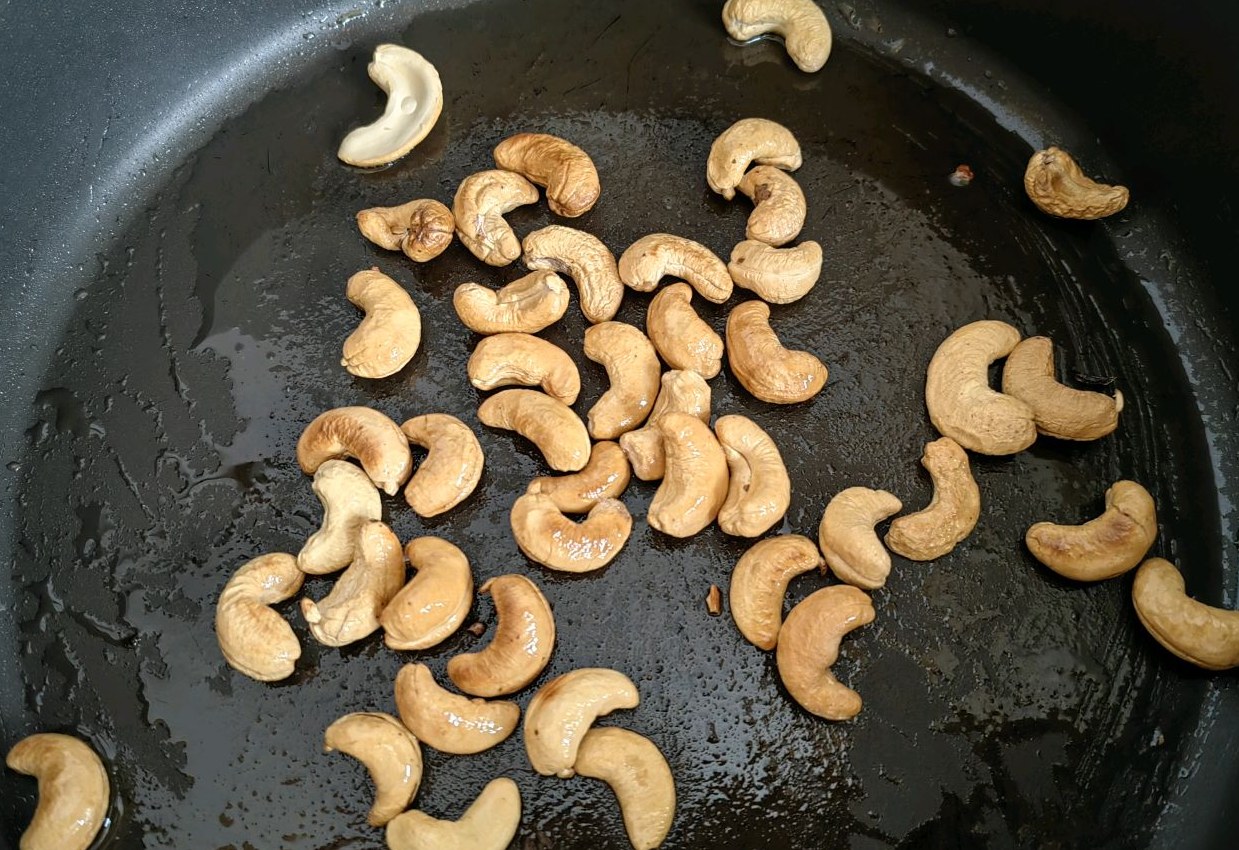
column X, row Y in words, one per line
column 567, row 172
column 633, row 371
column 546, row 422
column 583, row 258
column 776, row 275
column 453, row 464
column 521, row 645
column 606, row 476
column 762, row 365
column 389, row 335
column 422, row 229
column 515, row 358
column 1057, row 186
column 562, row 711
column 952, row 513
column 349, row 502
column 1200, row 634
column 481, row 202
column 659, row 255
column 759, row 491
column 1104, row 547
column 1058, row 410
column 847, row 539
column 535, row 301
column 414, row 101
column 253, row 638
column 682, row 392
column 372, row 438
column 450, row 722
column 748, row 141
column 351, row 610
column 808, row 647
column 639, row 776
column 961, row 403
column 778, row 205
column 680, row 335
column 759, row 583
column 390, row 754
column 434, row 602
column 73, row 791
column 490, row 823
column 545, row 535
column 802, row 24
column 695, row 483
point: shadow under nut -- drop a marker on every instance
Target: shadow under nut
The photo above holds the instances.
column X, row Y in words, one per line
column 1199, row 634
column 808, row 647
column 1104, row 547
column 358, row 432
column 761, row 363
column 952, row 513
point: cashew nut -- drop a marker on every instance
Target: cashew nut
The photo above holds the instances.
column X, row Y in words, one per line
column 363, row 433
column 450, row 722
column 1104, row 547
column 1057, row 186
column 351, row 610
column 490, row 823
column 389, row 335
column 694, row 485
column 517, row 358
column 422, row 229
column 546, row 422
column 759, row 583
column 254, row 638
column 759, row 491
column 349, row 501
column 778, row 205
column 564, row 709
column 748, row 141
column 481, row 202
column 961, row 403
column 545, row 535
column 659, row 255
column 952, row 513
column 453, row 464
column 802, row 24
column 682, row 392
column 388, row 751
column 847, row 539
column 1059, row 411
column 633, row 371
column 529, row 304
column 73, row 791
column 414, row 101
column 1201, row 634
column 640, row 778
column 521, row 646
column 777, row 275
column 567, row 172
column 808, row 647
column 680, row 335
column 583, row 258
column 434, row 602
column 762, row 365
column 605, row 476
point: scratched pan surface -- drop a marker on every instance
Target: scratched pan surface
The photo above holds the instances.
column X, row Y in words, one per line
column 1003, row 706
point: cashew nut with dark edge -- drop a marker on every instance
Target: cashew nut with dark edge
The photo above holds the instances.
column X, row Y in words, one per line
column 694, row 485
column 1058, row 410
column 776, row 275
column 682, row 392
column 506, row 359
column 253, row 638
column 1199, row 634
column 349, row 500
column 562, row 711
column 759, row 491
column 847, row 539
column 1057, row 186
column 748, row 141
column 389, row 335
column 351, row 610
column 681, row 337
column 481, row 202
column 490, row 823
column 453, row 464
column 761, row 363
column 520, row 647
column 640, row 778
column 434, row 603
column 778, row 205
column 759, row 583
column 74, row 791
column 583, row 258
column 801, row 23
column 389, row 752
column 527, row 305
column 448, row 722
column 546, row 422
column 605, row 476
column 952, row 513
column 659, row 255
column 545, row 535
column 422, row 229
column 567, row 172
column 1104, row 547
column 363, row 433
column 808, row 647
column 414, row 101
column 633, row 371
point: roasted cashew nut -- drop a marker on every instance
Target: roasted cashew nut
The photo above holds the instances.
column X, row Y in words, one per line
column 776, row 275
column 527, row 305
column 388, row 751
column 1057, row 186
column 633, row 371
column 414, row 101
column 73, row 791
column 363, row 433
column 564, row 709
column 778, row 205
column 640, row 778
column 659, row 255
column 847, row 539
column 545, row 535
column 524, row 360
column 567, row 172
column 481, row 202
column 748, row 141
column 351, row 610
column 694, row 485
column 450, row 722
column 490, row 823
column 952, row 513
column 521, row 645
column 1200, row 634
column 763, row 365
column 422, row 229
column 682, row 392
column 759, row 491
column 253, row 638
column 389, row 335
column 605, row 476
column 453, row 464
column 759, row 583
column 801, row 23
column 349, row 502
column 433, row 604
column 583, row 258
column 808, row 647
column 546, row 422
column 681, row 337
column 1058, row 410
column 1104, row 547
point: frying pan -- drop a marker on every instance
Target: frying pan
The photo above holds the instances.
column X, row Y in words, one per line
column 177, row 232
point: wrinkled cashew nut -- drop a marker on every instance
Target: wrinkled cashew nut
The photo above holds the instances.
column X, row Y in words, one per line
column 453, row 464
column 567, row 172
column 389, row 335
column 565, row 708
column 1200, row 634
column 659, row 255
column 434, row 603
column 414, row 101
column 778, row 205
column 545, row 535
column 1058, row 410
column 681, row 337
column 763, row 365
column 520, row 647
column 633, row 371
column 808, row 647
column 255, row 639
column 360, row 432
column 527, row 305
column 583, row 258
column 605, row 476
column 847, row 539
column 546, row 422
column 1104, row 547
column 74, row 791
column 748, row 141
column 521, row 359
column 801, row 23
column 694, row 485
column 759, row 491
column 480, row 204
column 448, row 722
column 422, row 229
column 490, row 823
column 1057, row 186
column 776, row 275
column 682, row 392
column 351, row 610
column 759, row 584
column 349, row 501
column 952, row 513
column 640, row 778
column 389, row 753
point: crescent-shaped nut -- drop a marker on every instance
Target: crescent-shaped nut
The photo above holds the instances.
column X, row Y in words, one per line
column 847, row 539
column 480, row 204
column 681, row 337
column 422, row 229
column 640, row 778
column 961, row 403
column 801, row 23
column 388, row 751
column 1104, row 547
column 73, row 791
column 490, row 823
column 564, row 709
column 694, row 485
column 759, row 491
column 546, row 422
column 633, row 371
column 952, row 513
column 682, row 392
column 776, row 275
column 748, row 141
column 253, row 638
column 761, row 363
column 567, row 172
column 349, row 502
column 414, row 101
column 1057, row 186
column 389, row 335
column 583, row 258
column 809, row 646
column 759, row 583
column 434, row 602
column 351, row 610
column 605, row 476
column 545, row 535
column 453, row 464
column 1058, row 410
column 659, row 255
column 448, row 722
column 363, row 433
column 778, row 206
column 520, row 648
column 1200, row 634
column 506, row 359
column 527, row 305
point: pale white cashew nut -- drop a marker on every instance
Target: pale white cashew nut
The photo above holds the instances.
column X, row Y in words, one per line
column 391, row 755
column 448, row 722
column 507, row 359
column 414, row 101
column 349, row 501
column 481, row 202
column 377, row 443
column 809, row 645
column 763, row 365
column 255, row 639
column 74, row 791
column 567, row 172
column 546, row 422
column 521, row 646
column 847, row 539
column 526, row 305
column 633, row 371
column 801, row 23
column 776, row 275
column 682, row 392
column 490, row 823
column 695, row 483
column 639, row 776
column 605, row 476
column 564, row 709
column 453, row 464
column 681, row 337
column 1199, row 634
column 659, row 255
column 583, row 258
column 389, row 335
column 951, row 514
column 759, row 491
column 759, row 584
column 435, row 601
column 351, row 610
column 545, row 535
column 748, row 141
column 778, row 205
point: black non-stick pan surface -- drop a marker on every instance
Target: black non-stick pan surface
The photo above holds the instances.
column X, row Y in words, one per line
column 1003, row 706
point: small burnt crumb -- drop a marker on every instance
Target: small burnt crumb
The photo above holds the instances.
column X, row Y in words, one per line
column 1094, row 380
column 714, row 601
column 477, row 629
column 961, row 176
